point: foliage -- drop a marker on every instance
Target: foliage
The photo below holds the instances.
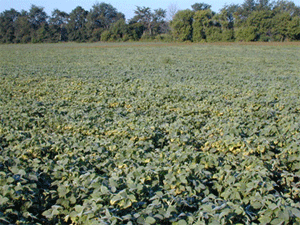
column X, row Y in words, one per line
column 200, row 6
column 100, row 18
column 58, row 23
column 294, row 29
column 254, row 20
column 76, row 26
column 37, row 17
column 181, row 25
column 281, row 24
column 100, row 134
column 202, row 20
column 153, row 22
column 246, row 34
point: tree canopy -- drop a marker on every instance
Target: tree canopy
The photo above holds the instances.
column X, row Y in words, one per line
column 253, row 20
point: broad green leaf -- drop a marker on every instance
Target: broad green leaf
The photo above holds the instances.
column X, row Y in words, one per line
column 115, row 199
column 79, row 208
column 265, row 219
column 181, row 222
column 296, row 212
column 104, row 190
column 150, row 220
column 74, row 214
column 48, row 214
column 256, row 205
column 277, row 221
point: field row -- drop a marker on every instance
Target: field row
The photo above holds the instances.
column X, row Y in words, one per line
column 184, row 134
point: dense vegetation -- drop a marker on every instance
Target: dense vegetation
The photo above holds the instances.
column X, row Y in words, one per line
column 254, row 20
column 149, row 134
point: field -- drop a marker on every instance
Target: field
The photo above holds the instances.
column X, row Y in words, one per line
column 150, row 134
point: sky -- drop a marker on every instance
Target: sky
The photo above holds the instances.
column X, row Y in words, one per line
column 126, row 7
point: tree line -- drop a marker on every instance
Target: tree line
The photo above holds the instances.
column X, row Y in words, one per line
column 254, row 20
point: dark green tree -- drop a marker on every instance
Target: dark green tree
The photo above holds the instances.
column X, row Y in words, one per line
column 246, row 34
column 23, row 28
column 182, row 25
column 293, row 30
column 43, row 34
column 249, row 6
column 135, row 30
column 7, row 26
column 159, row 24
column 100, row 18
column 228, row 13
column 58, row 23
column 282, row 6
column 153, row 23
column 280, row 26
column 118, row 31
column 37, row 16
column 200, row 6
column 76, row 26
column 263, row 5
column 261, row 22
column 225, row 20
column 143, row 15
column 252, row 21
column 243, row 12
column 39, row 26
column 202, row 20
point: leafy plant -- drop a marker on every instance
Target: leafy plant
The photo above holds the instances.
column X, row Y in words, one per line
column 100, row 134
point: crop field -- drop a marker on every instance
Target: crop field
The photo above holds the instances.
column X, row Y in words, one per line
column 150, row 133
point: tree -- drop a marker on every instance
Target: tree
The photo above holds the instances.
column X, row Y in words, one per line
column 254, row 20
column 100, row 18
column 181, row 25
column 153, row 22
column 200, row 6
column 143, row 15
column 249, row 6
column 76, row 26
column 58, row 23
column 293, row 30
column 159, row 24
column 282, row 6
column 261, row 22
column 225, row 20
column 201, row 23
column 59, row 18
column 37, row 16
column 38, row 20
column 135, row 30
column 227, row 14
column 118, row 31
column 7, row 27
column 245, row 34
column 23, row 28
column 42, row 34
column 280, row 26
column 263, row 5
column 244, row 11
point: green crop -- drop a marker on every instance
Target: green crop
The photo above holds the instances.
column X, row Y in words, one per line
column 149, row 134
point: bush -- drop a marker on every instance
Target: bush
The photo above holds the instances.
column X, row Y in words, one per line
column 213, row 34
column 164, row 38
column 105, row 36
column 147, row 37
column 246, row 34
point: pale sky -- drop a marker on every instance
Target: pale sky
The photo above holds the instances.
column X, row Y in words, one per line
column 126, row 7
